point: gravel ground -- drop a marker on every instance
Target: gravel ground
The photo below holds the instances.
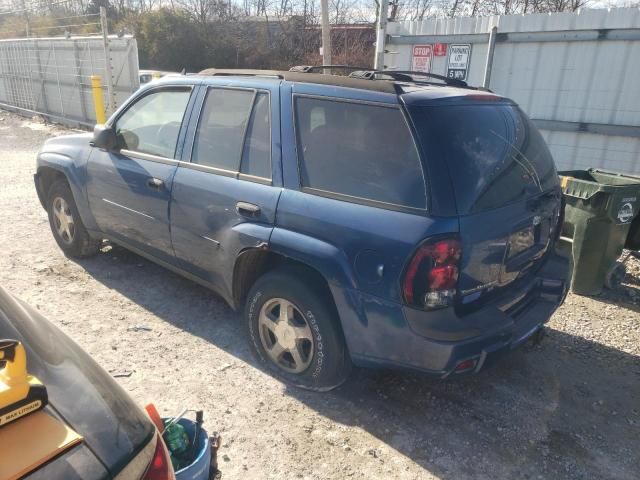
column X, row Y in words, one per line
column 568, row 408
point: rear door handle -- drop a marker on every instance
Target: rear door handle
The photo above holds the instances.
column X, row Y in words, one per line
column 247, row 209
column 155, row 183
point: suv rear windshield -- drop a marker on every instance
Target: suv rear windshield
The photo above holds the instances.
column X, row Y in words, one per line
column 495, row 154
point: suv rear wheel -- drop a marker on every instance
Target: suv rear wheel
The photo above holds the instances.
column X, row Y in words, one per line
column 294, row 330
column 66, row 225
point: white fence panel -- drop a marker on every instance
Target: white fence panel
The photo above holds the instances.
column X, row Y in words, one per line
column 575, row 74
column 52, row 76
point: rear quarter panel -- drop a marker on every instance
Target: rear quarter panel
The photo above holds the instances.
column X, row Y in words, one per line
column 360, row 249
column 349, row 242
column 357, row 238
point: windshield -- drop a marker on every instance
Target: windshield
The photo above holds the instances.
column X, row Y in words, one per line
column 494, row 153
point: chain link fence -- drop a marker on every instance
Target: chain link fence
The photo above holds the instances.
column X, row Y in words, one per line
column 52, row 76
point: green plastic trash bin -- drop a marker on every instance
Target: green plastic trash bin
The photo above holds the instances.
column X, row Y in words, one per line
column 600, row 207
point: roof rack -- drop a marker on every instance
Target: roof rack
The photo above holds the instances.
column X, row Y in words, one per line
column 219, row 72
column 453, row 82
column 300, row 76
column 367, row 73
column 315, row 68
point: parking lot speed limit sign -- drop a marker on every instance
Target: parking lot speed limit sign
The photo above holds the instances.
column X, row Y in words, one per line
column 458, row 62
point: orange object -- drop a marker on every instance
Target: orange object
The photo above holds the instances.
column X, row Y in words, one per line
column 154, row 416
column 32, row 441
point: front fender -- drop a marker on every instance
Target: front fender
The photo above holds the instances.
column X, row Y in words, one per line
column 330, row 261
column 69, row 155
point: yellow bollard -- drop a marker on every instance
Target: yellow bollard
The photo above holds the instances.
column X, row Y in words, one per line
column 98, row 100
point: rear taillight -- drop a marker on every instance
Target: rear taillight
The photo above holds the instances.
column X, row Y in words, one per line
column 431, row 277
column 160, row 467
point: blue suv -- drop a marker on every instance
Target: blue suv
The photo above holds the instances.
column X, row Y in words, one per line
column 375, row 219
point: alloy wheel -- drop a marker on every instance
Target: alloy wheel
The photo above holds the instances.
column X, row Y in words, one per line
column 63, row 220
column 286, row 335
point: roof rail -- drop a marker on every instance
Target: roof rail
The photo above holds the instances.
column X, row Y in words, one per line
column 453, row 82
column 367, row 73
column 219, row 72
column 315, row 68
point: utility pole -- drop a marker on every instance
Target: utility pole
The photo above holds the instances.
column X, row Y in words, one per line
column 381, row 34
column 486, row 81
column 326, row 35
column 26, row 19
column 107, row 60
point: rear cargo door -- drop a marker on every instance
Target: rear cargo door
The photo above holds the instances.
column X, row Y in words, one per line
column 505, row 184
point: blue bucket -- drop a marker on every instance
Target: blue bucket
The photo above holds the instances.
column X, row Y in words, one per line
column 199, row 468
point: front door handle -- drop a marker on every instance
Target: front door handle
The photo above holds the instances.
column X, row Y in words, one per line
column 247, row 209
column 155, row 183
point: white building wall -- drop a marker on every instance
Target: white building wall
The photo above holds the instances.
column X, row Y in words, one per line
column 584, row 82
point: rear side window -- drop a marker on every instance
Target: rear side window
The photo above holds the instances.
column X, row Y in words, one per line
column 495, row 154
column 256, row 157
column 234, row 132
column 360, row 150
column 221, row 128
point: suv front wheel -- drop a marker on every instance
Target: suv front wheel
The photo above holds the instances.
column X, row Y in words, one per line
column 66, row 225
column 294, row 330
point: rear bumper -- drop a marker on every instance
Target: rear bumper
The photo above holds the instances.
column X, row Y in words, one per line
column 386, row 334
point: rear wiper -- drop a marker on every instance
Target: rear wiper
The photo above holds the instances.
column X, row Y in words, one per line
column 531, row 171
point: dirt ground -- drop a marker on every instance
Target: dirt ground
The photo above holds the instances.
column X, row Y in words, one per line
column 569, row 408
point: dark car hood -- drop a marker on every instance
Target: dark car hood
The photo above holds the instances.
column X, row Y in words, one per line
column 79, row 390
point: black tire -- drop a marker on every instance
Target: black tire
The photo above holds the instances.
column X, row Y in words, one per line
column 79, row 243
column 615, row 275
column 330, row 364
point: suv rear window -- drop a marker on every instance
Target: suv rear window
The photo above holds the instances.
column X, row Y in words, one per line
column 495, row 154
column 358, row 150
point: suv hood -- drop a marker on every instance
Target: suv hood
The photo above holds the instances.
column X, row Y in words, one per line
column 72, row 147
column 76, row 139
column 79, row 390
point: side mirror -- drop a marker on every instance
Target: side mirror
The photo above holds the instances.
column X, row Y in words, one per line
column 104, row 137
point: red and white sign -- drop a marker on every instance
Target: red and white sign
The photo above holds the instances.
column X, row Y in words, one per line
column 421, row 59
column 440, row 50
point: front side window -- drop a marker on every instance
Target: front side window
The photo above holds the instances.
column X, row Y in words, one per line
column 152, row 124
column 360, row 150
